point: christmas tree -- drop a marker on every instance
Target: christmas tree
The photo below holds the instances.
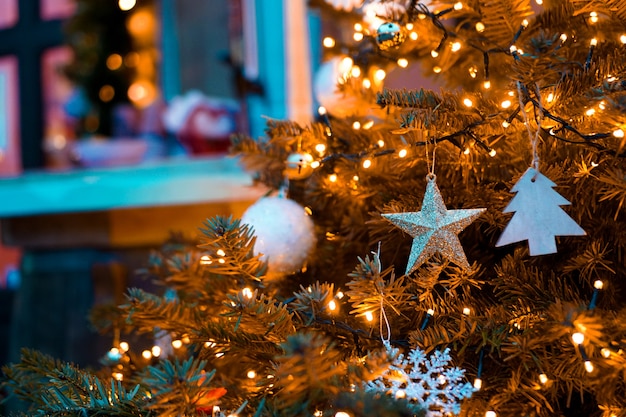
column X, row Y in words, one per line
column 304, row 308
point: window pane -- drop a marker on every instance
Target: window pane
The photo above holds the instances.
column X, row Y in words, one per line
column 56, row 9
column 8, row 17
column 56, row 91
column 9, row 118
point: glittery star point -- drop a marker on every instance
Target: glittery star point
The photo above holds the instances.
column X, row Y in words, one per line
column 434, row 229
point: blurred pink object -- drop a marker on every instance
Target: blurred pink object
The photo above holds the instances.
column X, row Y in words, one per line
column 202, row 124
column 106, row 152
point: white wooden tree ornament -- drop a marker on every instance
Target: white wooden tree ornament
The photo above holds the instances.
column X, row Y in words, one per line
column 538, row 216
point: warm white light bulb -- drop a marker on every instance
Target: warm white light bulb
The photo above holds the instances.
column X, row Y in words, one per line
column 358, row 36
column 430, row 312
column 367, row 163
column 402, row 153
column 328, row 42
column 156, row 351
column 369, row 316
column 598, row 284
column 506, row 104
column 437, row 69
column 251, row 374
column 126, row 5
column 467, row 311
column 177, row 344
column 590, row 112
column 332, row 305
column 593, row 42
column 480, row 27
column 434, row 53
column 403, row 62
column 458, row 5
column 543, row 378
column 588, row 366
column 400, row 394
column 356, row 125
column 345, row 65
column 578, row 338
column 619, row 133
column 380, row 74
column 491, row 413
column 505, row 124
column 492, row 153
column 146, row 354
column 622, row 39
column 413, row 36
column 332, row 178
column 467, row 102
column 456, row 46
column 124, row 346
column 478, row 383
column 487, row 85
column 605, row 352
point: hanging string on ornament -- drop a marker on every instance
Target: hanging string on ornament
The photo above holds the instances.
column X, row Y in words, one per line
column 383, row 315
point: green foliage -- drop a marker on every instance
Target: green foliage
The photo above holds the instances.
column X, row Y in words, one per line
column 179, row 388
column 54, row 388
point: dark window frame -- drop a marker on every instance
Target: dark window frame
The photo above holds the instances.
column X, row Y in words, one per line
column 27, row 40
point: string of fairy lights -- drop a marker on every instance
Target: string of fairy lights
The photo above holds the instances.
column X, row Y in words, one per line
column 120, row 353
column 316, row 158
column 419, row 11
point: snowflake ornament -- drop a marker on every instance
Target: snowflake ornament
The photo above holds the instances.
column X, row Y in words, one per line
column 427, row 380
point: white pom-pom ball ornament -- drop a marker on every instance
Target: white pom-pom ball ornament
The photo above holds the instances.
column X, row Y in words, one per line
column 326, row 89
column 284, row 233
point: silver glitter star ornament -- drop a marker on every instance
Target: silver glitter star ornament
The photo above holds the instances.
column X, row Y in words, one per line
column 434, row 229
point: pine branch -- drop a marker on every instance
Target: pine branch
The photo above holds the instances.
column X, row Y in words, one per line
column 228, row 247
column 181, row 388
column 61, row 389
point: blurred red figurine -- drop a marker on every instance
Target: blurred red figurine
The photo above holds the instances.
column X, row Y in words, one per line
column 202, row 124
